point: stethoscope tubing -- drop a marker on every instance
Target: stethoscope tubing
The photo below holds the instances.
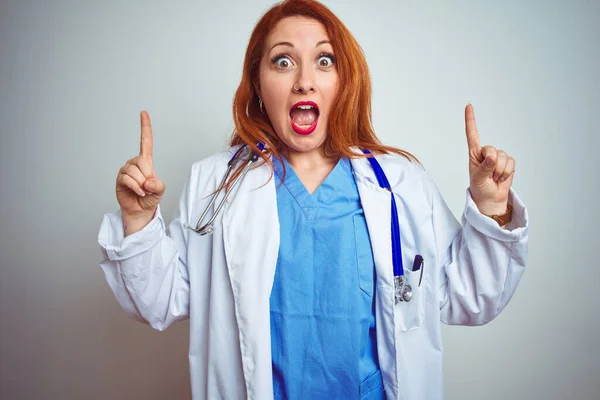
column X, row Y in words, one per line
column 395, row 224
column 207, row 228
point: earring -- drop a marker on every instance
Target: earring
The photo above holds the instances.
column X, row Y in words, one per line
column 260, row 105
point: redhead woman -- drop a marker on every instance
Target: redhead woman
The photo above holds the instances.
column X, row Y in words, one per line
column 325, row 265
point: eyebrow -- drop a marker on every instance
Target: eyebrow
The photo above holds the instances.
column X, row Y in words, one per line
column 292, row 46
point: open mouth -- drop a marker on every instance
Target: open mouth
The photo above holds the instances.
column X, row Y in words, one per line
column 304, row 116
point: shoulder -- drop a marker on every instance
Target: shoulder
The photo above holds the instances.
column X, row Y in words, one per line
column 208, row 172
column 398, row 169
column 405, row 173
column 398, row 164
column 407, row 178
column 216, row 162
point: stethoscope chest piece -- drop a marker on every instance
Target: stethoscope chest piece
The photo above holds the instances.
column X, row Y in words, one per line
column 402, row 290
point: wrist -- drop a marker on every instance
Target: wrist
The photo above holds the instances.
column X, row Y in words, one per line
column 502, row 218
column 137, row 222
column 489, row 208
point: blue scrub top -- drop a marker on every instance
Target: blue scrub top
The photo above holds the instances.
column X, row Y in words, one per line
column 322, row 302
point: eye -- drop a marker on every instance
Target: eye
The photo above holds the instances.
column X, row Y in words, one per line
column 281, row 61
column 326, row 60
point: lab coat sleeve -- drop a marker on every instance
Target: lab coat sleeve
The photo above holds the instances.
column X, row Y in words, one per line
column 147, row 271
column 480, row 262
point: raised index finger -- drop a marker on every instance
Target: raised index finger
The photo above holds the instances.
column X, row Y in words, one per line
column 471, row 128
column 146, row 138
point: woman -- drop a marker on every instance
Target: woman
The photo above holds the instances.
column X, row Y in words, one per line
column 295, row 294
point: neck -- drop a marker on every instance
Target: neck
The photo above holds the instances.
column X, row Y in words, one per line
column 308, row 160
column 311, row 167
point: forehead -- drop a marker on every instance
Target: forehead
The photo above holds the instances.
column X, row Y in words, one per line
column 300, row 31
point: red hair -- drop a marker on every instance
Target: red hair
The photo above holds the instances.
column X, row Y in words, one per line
column 350, row 119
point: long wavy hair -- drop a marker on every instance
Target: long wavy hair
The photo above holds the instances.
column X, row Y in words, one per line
column 350, row 119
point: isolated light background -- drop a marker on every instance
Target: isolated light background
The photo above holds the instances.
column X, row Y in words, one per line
column 74, row 76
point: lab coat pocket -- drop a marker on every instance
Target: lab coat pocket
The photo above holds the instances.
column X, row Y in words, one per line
column 364, row 255
column 410, row 315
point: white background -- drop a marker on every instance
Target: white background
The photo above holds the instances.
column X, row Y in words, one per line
column 74, row 76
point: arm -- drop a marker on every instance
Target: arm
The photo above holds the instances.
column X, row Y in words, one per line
column 147, row 270
column 480, row 263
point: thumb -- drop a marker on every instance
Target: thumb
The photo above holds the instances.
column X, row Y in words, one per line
column 485, row 170
column 154, row 186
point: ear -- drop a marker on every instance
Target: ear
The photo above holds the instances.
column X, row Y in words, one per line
column 256, row 85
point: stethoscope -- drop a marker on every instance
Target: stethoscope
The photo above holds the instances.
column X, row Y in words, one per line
column 403, row 291
column 207, row 228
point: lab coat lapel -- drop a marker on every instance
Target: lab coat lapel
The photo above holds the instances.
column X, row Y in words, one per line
column 376, row 203
column 251, row 243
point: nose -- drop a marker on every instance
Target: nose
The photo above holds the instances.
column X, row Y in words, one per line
column 306, row 81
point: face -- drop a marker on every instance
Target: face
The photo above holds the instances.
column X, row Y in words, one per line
column 298, row 82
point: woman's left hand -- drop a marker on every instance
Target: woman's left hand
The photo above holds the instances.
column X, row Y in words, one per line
column 491, row 171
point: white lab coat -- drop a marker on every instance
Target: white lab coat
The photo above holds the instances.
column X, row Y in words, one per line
column 223, row 281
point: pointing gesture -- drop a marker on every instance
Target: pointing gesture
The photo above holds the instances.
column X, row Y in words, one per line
column 139, row 190
column 491, row 171
column 146, row 139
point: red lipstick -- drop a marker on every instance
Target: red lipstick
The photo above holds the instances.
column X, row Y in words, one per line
column 305, row 129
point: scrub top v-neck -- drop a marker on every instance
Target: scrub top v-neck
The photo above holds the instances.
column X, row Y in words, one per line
column 322, row 302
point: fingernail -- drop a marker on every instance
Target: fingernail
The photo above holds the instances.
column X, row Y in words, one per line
column 141, row 193
column 150, row 185
column 489, row 162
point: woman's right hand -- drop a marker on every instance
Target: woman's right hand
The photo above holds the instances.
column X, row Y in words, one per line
column 139, row 190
